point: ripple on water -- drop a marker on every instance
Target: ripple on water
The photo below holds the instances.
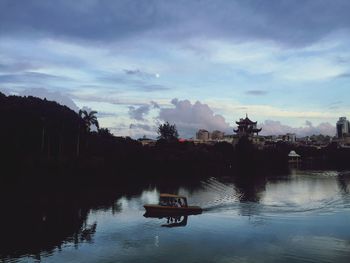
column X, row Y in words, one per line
column 305, row 197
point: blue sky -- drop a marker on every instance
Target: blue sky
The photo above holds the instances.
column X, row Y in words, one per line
column 198, row 64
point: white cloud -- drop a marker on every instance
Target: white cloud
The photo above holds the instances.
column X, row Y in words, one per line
column 235, row 109
column 190, row 117
column 138, row 113
column 266, row 57
column 59, row 97
column 270, row 127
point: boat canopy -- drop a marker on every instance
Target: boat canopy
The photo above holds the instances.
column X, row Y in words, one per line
column 171, row 196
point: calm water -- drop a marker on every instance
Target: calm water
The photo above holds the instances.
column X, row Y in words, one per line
column 302, row 217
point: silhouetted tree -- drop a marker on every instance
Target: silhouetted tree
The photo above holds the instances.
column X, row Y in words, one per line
column 89, row 119
column 167, row 132
column 104, row 132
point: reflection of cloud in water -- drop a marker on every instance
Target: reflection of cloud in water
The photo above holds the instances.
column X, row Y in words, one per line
column 150, row 196
column 303, row 193
column 213, row 193
column 329, row 248
column 137, row 202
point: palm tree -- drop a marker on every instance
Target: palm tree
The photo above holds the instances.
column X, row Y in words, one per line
column 89, row 119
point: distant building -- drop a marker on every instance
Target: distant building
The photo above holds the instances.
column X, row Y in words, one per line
column 230, row 138
column 246, row 127
column 293, row 157
column 146, row 141
column 343, row 127
column 203, row 135
column 289, row 137
column 217, row 135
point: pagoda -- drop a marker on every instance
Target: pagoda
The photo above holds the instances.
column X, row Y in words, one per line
column 246, row 127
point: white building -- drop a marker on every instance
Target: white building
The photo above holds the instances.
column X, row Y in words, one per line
column 203, row 135
column 217, row 135
column 343, row 127
column 291, row 137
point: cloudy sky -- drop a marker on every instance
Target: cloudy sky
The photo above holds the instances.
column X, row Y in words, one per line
column 199, row 64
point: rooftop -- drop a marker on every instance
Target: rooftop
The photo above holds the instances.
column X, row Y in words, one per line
column 246, row 120
column 171, row 196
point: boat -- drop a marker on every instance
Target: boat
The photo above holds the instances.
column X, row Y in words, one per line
column 170, row 204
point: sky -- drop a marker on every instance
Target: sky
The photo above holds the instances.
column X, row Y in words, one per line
column 197, row 64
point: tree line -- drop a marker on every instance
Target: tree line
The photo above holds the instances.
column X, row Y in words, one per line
column 43, row 139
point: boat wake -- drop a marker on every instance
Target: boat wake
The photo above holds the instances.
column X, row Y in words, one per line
column 278, row 210
column 303, row 198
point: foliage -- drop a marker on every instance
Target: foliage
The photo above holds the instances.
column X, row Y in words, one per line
column 104, row 132
column 89, row 119
column 43, row 137
column 167, row 132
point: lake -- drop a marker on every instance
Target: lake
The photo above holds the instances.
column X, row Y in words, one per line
column 300, row 217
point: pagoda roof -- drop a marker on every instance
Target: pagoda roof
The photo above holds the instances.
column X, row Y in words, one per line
column 250, row 130
column 245, row 121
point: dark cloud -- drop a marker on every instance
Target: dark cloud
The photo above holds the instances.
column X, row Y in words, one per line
column 87, row 19
column 59, row 97
column 343, row 75
column 30, row 78
column 143, row 82
column 334, row 105
column 144, row 127
column 153, row 87
column 155, row 104
column 132, row 72
column 257, row 92
column 139, row 73
column 102, row 114
column 270, row 127
column 112, row 78
column 286, row 21
column 16, row 67
column 242, row 108
column 139, row 113
column 107, row 99
column 190, row 117
column 342, row 60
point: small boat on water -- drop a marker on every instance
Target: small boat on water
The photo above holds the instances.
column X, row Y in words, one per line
column 170, row 204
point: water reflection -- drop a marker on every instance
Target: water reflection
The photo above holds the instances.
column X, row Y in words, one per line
column 282, row 218
column 176, row 221
column 28, row 230
column 344, row 182
column 37, row 223
column 171, row 221
column 250, row 189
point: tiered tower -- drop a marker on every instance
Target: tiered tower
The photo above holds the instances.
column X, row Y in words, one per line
column 246, row 127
